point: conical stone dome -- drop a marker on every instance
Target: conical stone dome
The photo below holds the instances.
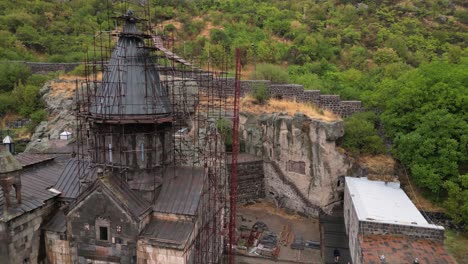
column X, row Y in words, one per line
column 131, row 86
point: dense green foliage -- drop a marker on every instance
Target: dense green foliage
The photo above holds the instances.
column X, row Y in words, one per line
column 271, row 72
column 406, row 60
column 361, row 136
column 19, row 92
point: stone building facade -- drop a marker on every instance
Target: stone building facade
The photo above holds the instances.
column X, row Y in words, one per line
column 380, row 212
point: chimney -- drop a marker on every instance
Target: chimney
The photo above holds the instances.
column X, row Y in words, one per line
column 8, row 144
column 9, row 176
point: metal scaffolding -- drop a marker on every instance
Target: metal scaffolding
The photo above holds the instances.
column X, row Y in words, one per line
column 142, row 111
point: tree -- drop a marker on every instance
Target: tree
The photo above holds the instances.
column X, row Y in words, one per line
column 11, row 73
column 457, row 200
column 435, row 149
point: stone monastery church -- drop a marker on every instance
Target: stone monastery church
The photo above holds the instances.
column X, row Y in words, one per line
column 129, row 194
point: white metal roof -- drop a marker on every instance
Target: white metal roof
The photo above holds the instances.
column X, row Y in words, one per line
column 65, row 133
column 7, row 140
column 383, row 202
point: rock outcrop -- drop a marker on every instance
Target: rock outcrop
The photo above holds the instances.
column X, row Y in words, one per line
column 58, row 96
column 303, row 168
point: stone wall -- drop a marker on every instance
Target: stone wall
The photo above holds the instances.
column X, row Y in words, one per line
column 352, row 226
column 373, row 228
column 23, row 236
column 250, row 181
column 291, row 92
column 46, row 67
column 58, row 248
column 83, row 231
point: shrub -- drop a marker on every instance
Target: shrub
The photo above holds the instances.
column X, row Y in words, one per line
column 38, row 116
column 260, row 93
column 7, row 103
column 79, row 70
column 224, row 127
column 361, row 136
column 271, row 72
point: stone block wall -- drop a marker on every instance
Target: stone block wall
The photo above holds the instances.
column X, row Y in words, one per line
column 374, row 228
column 250, row 181
column 24, row 236
column 288, row 92
column 45, row 67
column 57, row 248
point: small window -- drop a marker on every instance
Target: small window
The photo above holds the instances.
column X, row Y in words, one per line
column 63, row 237
column 103, row 233
column 119, row 229
column 110, row 153
column 142, row 150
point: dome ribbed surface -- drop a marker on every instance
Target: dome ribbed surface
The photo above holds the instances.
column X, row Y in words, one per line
column 131, row 84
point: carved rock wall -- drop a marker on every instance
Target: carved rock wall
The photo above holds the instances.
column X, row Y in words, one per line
column 303, row 168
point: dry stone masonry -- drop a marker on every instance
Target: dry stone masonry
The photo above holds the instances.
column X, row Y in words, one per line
column 296, row 92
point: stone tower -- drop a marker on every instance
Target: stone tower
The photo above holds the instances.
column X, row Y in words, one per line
column 129, row 118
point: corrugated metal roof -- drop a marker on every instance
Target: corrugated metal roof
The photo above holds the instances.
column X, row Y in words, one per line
column 28, row 159
column 58, row 223
column 8, row 163
column 35, row 183
column 131, row 84
column 170, row 233
column 75, row 171
column 181, row 191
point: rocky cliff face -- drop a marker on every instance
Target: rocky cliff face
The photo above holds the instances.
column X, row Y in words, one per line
column 58, row 96
column 303, row 168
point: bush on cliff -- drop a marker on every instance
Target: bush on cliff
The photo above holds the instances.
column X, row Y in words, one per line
column 361, row 136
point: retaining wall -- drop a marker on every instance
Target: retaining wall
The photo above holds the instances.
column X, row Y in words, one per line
column 290, row 92
column 250, row 181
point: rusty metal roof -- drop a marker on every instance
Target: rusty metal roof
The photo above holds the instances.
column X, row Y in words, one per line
column 36, row 182
column 131, row 85
column 8, row 163
column 75, row 171
column 169, row 233
column 58, row 223
column 181, row 191
column 28, row 159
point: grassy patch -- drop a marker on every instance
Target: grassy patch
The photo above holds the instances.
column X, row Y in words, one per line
column 249, row 104
column 456, row 243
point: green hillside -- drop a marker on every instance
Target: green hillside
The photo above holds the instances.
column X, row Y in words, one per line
column 406, row 60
